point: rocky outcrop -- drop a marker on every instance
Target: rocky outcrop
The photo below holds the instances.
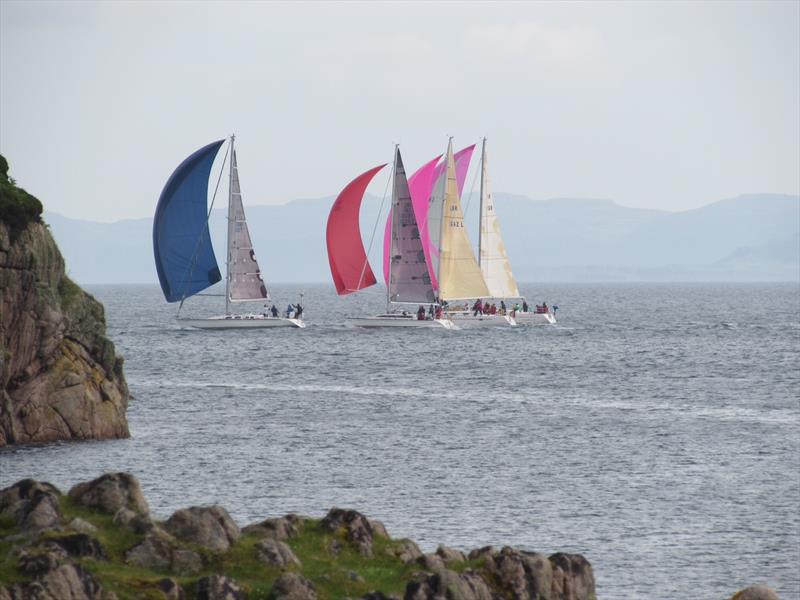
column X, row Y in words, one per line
column 60, row 377
column 70, row 582
column 292, row 586
column 573, row 577
column 219, row 587
column 756, row 592
column 31, row 504
column 72, row 547
column 207, row 526
column 276, row 554
column 357, row 528
column 407, row 551
column 280, row 528
column 450, row 585
column 522, row 574
column 110, row 493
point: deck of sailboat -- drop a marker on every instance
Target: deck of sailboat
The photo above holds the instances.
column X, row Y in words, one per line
column 534, row 318
column 246, row 321
column 467, row 319
column 400, row 320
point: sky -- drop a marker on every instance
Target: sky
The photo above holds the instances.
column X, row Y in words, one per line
column 668, row 105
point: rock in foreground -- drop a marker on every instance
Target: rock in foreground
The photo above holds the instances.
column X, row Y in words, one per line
column 99, row 542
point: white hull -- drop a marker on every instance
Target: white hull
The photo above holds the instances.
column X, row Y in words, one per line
column 241, row 322
column 467, row 320
column 391, row 320
column 533, row 318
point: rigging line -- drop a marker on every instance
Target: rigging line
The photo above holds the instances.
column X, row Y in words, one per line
column 375, row 226
column 202, row 231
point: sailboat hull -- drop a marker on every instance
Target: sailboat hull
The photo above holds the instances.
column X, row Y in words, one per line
column 533, row 318
column 399, row 320
column 467, row 320
column 241, row 322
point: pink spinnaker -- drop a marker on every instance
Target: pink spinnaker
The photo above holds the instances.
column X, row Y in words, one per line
column 421, row 185
column 348, row 260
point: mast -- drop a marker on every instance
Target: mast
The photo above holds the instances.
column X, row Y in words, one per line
column 395, row 216
column 480, row 206
column 230, row 234
column 444, row 217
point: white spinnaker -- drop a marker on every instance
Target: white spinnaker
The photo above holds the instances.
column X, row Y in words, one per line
column 243, row 273
column 495, row 266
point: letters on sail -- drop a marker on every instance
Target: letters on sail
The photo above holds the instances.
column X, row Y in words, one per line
column 495, row 266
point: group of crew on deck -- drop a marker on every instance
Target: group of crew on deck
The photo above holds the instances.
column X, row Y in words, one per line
column 433, row 312
column 484, row 308
column 481, row 308
column 293, row 311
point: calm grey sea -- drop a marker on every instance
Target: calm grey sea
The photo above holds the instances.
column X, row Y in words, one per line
column 656, row 429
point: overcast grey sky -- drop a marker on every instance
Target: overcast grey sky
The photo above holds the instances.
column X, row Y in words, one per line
column 662, row 105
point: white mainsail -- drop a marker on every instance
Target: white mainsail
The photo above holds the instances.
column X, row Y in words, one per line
column 244, row 276
column 495, row 266
column 409, row 280
column 459, row 275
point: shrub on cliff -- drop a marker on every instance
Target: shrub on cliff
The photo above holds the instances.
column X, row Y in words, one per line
column 17, row 207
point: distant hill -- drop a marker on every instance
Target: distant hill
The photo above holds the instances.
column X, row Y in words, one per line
column 753, row 237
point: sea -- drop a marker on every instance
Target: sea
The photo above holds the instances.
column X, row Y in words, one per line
column 655, row 429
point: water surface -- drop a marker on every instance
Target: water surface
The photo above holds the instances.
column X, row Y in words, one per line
column 654, row 430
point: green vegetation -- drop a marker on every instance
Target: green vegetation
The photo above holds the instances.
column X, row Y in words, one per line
column 345, row 573
column 17, row 207
column 68, row 291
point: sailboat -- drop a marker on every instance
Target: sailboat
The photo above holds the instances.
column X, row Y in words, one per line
column 409, row 282
column 182, row 248
column 458, row 274
column 494, row 263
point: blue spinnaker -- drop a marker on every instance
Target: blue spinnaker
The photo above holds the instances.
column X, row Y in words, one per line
column 181, row 242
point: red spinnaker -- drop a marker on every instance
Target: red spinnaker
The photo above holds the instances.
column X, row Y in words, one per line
column 349, row 267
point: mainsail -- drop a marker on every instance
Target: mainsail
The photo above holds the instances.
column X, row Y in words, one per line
column 459, row 275
column 185, row 260
column 348, row 260
column 409, row 280
column 495, row 266
column 419, row 185
column 422, row 183
column 244, row 276
column 435, row 215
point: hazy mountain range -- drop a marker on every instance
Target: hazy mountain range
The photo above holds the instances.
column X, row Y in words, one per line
column 754, row 237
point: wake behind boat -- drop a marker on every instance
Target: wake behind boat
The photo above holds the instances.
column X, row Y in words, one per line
column 184, row 255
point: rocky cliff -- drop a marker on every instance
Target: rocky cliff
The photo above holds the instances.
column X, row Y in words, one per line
column 61, row 378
